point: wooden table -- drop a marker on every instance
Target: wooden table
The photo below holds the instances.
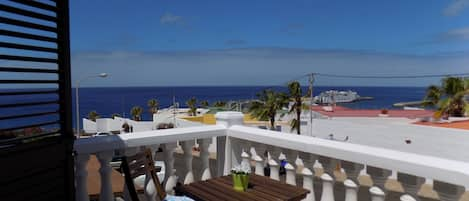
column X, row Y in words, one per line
column 260, row 188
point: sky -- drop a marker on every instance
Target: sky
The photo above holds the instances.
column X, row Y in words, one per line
column 266, row 42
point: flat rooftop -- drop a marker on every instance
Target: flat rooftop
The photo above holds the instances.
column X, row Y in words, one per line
column 340, row 111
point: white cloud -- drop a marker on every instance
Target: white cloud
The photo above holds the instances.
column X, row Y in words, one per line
column 169, row 18
column 260, row 66
column 455, row 7
column 461, row 34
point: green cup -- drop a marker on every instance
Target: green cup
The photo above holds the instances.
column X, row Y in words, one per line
column 238, row 184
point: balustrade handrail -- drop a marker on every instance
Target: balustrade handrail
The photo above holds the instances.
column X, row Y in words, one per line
column 107, row 143
column 450, row 171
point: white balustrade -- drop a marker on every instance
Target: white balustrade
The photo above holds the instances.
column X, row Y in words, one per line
column 291, row 156
column 448, row 192
column 204, row 157
column 170, row 172
column 411, row 185
column 81, row 176
column 149, row 188
column 187, row 148
column 351, row 184
column 379, row 177
column 105, row 170
column 259, row 149
column 308, row 174
column 235, row 141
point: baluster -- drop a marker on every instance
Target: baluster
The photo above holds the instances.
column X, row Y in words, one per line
column 379, row 177
column 105, row 170
column 411, row 185
column 308, row 174
column 170, row 173
column 448, row 192
column 329, row 165
column 245, row 151
column 327, row 187
column 81, row 176
column 274, row 166
column 258, row 157
column 187, row 148
column 291, row 155
column 377, row 194
column 204, row 156
column 150, row 191
column 351, row 184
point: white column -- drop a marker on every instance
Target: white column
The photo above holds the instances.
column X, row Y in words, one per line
column 327, row 187
column 351, row 184
column 411, row 185
column 150, row 191
column 379, row 177
column 377, row 194
column 81, row 177
column 274, row 170
column 274, row 165
column 258, row 157
column 170, row 173
column 351, row 190
column 187, row 148
column 308, row 182
column 291, row 156
column 105, row 171
column 448, row 192
column 227, row 119
column 204, row 156
column 308, row 174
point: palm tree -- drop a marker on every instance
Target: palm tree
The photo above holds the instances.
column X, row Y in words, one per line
column 93, row 115
column 192, row 104
column 204, row 103
column 295, row 93
column 267, row 105
column 153, row 104
column 449, row 98
column 136, row 113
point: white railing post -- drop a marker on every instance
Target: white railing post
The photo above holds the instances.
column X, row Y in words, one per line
column 204, row 156
column 273, row 164
column 187, row 148
column 150, row 191
column 351, row 184
column 228, row 119
column 105, row 171
column 291, row 156
column 411, row 185
column 379, row 177
column 258, row 157
column 308, row 174
column 448, row 192
column 170, row 173
column 81, row 177
column 328, row 178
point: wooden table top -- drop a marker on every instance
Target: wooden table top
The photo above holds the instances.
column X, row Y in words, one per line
column 260, row 188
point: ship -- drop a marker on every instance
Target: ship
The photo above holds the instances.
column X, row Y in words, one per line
column 334, row 96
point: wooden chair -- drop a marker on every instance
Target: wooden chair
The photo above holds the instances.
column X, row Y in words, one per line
column 141, row 164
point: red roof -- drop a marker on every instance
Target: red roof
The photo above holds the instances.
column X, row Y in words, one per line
column 459, row 124
column 340, row 111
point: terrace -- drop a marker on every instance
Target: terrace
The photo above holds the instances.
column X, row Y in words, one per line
column 235, row 142
column 51, row 165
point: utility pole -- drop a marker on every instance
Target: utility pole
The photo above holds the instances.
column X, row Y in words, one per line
column 311, row 81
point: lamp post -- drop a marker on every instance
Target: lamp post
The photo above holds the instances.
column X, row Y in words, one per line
column 77, row 85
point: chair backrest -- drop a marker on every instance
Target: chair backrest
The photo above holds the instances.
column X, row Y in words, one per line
column 140, row 164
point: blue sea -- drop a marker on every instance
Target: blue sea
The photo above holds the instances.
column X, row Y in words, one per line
column 109, row 100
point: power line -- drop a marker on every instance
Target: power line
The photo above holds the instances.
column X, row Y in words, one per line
column 392, row 76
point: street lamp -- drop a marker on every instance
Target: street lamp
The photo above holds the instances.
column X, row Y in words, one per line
column 77, row 85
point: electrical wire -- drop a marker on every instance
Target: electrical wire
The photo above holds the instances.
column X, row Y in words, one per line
column 392, row 76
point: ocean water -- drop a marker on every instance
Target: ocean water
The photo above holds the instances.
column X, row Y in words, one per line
column 109, row 100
